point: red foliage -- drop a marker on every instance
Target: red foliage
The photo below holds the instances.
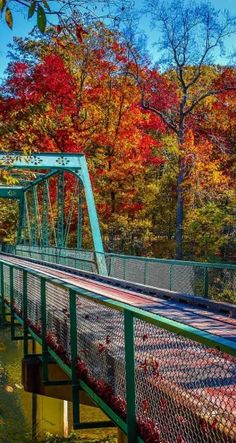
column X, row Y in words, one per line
column 51, row 78
column 80, row 32
column 160, row 92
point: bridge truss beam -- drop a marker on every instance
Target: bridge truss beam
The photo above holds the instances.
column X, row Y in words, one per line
column 41, row 222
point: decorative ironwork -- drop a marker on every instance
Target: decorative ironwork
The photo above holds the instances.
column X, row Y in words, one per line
column 45, row 216
column 62, row 161
column 60, row 210
column 33, row 159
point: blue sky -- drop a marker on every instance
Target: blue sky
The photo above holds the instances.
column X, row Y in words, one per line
column 22, row 27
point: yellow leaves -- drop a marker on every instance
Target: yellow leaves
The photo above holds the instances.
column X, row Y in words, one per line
column 9, row 388
column 6, row 178
column 9, row 18
column 7, row 13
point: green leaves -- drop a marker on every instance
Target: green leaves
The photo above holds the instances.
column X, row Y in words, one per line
column 41, row 14
column 41, row 7
column 41, row 19
column 31, row 10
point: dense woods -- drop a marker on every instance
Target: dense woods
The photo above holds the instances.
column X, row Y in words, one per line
column 158, row 142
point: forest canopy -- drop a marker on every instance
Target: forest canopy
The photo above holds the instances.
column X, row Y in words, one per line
column 159, row 139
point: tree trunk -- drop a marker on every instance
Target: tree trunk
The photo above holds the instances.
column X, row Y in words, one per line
column 180, row 179
column 180, row 211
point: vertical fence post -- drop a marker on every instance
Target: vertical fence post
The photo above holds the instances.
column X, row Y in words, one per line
column 44, row 329
column 145, row 273
column 12, row 303
column 25, row 312
column 74, row 354
column 80, row 218
column 2, row 297
column 124, row 268
column 206, row 282
column 111, row 264
column 130, row 376
column 170, row 277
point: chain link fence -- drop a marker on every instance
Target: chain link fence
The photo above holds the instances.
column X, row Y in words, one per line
column 184, row 380
column 216, row 281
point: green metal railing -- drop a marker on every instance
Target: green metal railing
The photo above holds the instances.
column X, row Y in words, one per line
column 216, row 281
column 156, row 379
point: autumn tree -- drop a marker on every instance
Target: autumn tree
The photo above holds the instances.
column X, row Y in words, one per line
column 191, row 35
column 74, row 97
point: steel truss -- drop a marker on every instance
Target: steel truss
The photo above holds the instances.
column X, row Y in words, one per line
column 42, row 218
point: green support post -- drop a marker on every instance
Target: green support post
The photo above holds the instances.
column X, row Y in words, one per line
column 74, row 356
column 25, row 312
column 21, row 219
column 93, row 218
column 80, row 219
column 206, row 283
column 45, row 220
column 130, row 376
column 124, row 270
column 44, row 330
column 12, row 303
column 170, row 277
column 2, row 296
column 26, row 221
column 34, row 225
column 60, row 210
column 145, row 273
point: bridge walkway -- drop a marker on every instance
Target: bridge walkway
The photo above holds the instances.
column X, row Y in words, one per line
column 223, row 325
column 163, row 371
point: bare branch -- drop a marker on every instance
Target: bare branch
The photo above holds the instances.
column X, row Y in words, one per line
column 164, row 117
column 208, row 94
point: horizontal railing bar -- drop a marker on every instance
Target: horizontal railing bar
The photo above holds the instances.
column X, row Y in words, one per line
column 173, row 262
column 62, row 256
column 190, row 332
column 151, row 259
column 107, row 409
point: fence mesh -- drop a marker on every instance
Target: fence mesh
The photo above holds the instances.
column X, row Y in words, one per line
column 193, row 278
column 34, row 302
column 185, row 392
column 58, row 320
column 84, row 260
column 18, row 290
column 203, row 279
column 101, row 357
column 6, row 279
column 222, row 284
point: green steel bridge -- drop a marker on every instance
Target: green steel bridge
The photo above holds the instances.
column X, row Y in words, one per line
column 152, row 342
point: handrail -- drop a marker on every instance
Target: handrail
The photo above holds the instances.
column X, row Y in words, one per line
column 217, row 265
column 174, row 262
column 192, row 278
column 190, row 332
column 149, row 342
